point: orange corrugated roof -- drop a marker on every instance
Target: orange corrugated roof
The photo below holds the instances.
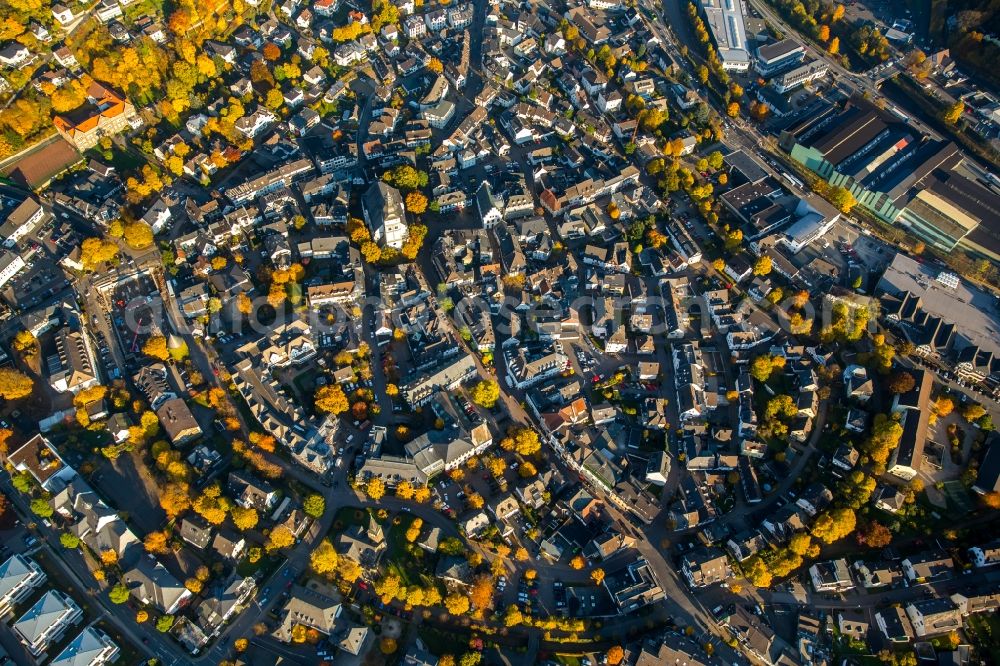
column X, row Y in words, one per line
column 104, row 96
column 88, row 124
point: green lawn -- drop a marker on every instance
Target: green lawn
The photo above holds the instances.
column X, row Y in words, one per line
column 120, row 159
column 265, row 565
column 984, row 633
column 958, row 496
column 440, row 642
column 568, row 659
column 305, row 382
column 346, row 517
column 411, row 563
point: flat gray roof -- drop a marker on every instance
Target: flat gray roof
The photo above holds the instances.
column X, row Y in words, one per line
column 975, row 313
column 769, row 53
column 724, row 18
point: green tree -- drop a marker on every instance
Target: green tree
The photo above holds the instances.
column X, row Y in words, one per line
column 156, row 347
column 874, row 535
column 314, row 505
column 41, row 507
column 523, row 440
column 331, row 398
column 119, row 594
column 470, row 659
column 406, row 178
column 954, row 112
column 164, row 624
column 15, row 385
column 762, row 265
column 23, row 482
column 762, row 366
column 323, row 560
column 274, row 99
column 842, row 198
column 96, row 251
column 884, row 437
column 486, row 393
column 25, row 343
column 138, row 235
column 834, row 525
column 901, row 382
column 69, row 540
column 973, row 411
column 856, row 489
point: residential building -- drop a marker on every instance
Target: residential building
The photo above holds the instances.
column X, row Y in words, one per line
column 223, row 602
column 800, row 76
column 440, row 451
column 633, row 586
column 364, row 545
column 92, row 647
column 272, row 181
column 178, row 422
column 755, row 636
column 832, row 576
column 857, row 383
column 39, row 458
column 705, row 566
column 311, row 608
column 256, row 123
column 874, row 575
column 905, row 461
column 21, row 221
column 933, row 617
column 894, row 624
column 72, row 368
column 11, row 264
column 439, row 115
column 14, row 54
column 489, row 207
column 46, row 621
column 970, row 603
column 985, row 556
column 250, row 492
column 927, row 567
column 196, row 531
column 229, row 545
column 446, row 376
column 19, row 577
column 150, row 583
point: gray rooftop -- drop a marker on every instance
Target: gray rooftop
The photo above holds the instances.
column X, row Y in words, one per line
column 975, row 312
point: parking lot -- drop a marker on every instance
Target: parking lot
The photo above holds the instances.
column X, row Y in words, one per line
column 134, row 308
column 42, row 278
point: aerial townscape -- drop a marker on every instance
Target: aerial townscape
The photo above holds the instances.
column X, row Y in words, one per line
column 499, row 332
